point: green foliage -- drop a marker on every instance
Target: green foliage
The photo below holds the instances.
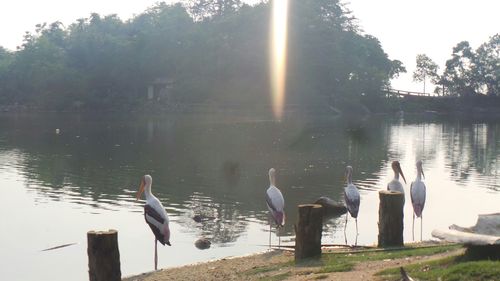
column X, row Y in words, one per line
column 338, row 266
column 452, row 268
column 487, row 66
column 206, row 9
column 212, row 50
column 471, row 72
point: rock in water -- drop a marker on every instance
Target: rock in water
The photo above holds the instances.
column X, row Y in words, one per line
column 202, row 243
column 331, row 207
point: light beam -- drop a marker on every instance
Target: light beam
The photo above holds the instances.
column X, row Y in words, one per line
column 278, row 61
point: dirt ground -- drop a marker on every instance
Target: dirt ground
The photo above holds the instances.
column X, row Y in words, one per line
column 247, row 268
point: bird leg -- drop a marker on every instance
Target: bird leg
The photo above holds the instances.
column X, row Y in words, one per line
column 421, row 225
column 413, row 228
column 156, row 254
column 345, row 226
column 269, row 236
column 279, row 237
column 357, row 233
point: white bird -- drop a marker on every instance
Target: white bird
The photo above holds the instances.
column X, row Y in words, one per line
column 352, row 200
column 155, row 215
column 417, row 192
column 275, row 204
column 395, row 184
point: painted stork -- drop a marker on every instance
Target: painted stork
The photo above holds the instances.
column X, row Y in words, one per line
column 395, row 184
column 155, row 215
column 417, row 192
column 352, row 200
column 275, row 204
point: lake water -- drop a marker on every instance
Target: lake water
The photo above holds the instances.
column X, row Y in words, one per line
column 56, row 187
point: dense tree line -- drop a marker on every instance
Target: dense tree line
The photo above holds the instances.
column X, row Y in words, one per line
column 213, row 50
column 467, row 73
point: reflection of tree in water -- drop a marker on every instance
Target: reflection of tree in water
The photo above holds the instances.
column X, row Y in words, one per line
column 457, row 156
column 101, row 159
column 472, row 148
column 485, row 148
column 220, row 222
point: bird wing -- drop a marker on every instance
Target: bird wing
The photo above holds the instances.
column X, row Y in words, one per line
column 274, row 199
column 417, row 194
column 276, row 204
column 423, row 194
column 411, row 192
column 156, row 222
column 151, row 212
column 269, row 202
column 352, row 200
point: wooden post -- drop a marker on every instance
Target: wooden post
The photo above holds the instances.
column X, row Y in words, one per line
column 308, row 232
column 390, row 219
column 104, row 256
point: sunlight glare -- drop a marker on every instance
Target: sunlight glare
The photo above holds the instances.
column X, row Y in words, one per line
column 278, row 61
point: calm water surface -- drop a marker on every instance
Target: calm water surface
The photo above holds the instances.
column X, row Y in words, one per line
column 56, row 187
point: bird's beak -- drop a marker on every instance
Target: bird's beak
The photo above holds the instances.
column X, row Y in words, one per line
column 401, row 173
column 423, row 174
column 141, row 190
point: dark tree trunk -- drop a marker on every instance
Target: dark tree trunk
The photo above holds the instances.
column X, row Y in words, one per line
column 308, row 232
column 390, row 219
column 104, row 256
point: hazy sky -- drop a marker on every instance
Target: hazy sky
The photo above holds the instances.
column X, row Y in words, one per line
column 405, row 28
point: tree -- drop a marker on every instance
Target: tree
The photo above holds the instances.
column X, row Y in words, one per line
column 215, row 50
column 426, row 68
column 204, row 9
column 458, row 76
column 487, row 66
column 397, row 67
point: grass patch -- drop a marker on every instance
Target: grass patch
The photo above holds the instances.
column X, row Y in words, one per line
column 339, row 266
column 342, row 262
column 267, row 269
column 452, row 269
column 339, row 262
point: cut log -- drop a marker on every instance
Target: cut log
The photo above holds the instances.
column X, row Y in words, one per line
column 390, row 219
column 482, row 252
column 308, row 232
column 104, row 256
column 482, row 240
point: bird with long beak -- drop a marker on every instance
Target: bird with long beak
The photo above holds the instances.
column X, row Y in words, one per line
column 395, row 184
column 417, row 192
column 155, row 215
column 275, row 204
column 352, row 200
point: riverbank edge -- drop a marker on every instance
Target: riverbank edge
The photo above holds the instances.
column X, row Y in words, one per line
column 248, row 267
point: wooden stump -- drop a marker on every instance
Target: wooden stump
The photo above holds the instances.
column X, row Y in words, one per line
column 308, row 232
column 483, row 252
column 104, row 256
column 390, row 219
